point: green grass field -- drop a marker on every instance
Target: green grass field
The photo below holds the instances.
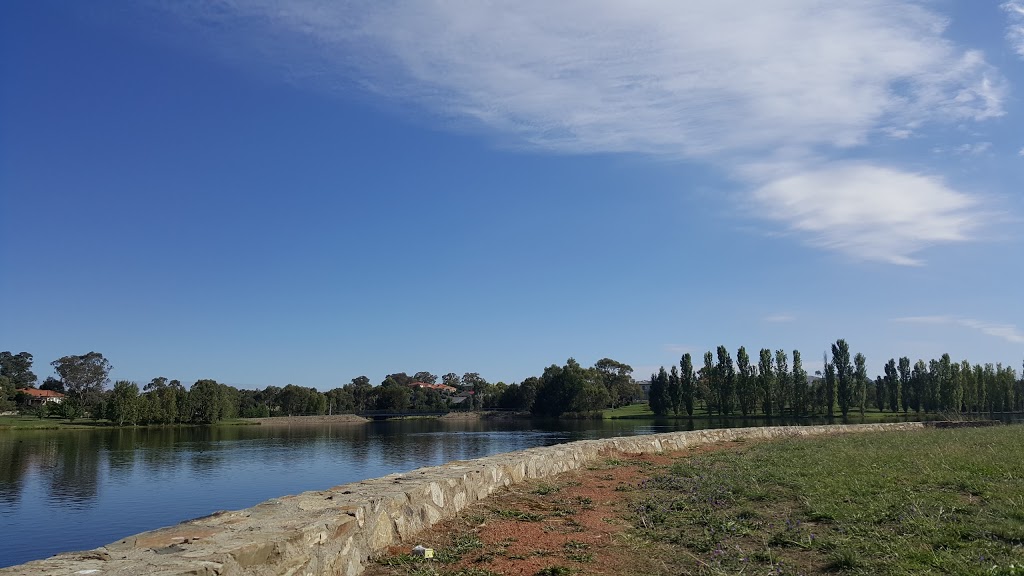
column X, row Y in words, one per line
column 936, row 501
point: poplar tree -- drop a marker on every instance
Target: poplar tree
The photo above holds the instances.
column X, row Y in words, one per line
column 880, row 392
column 727, row 380
column 918, row 384
column 688, row 382
column 657, row 397
column 765, row 378
column 710, row 381
column 892, row 384
column 783, row 383
column 860, row 379
column 830, row 389
column 745, row 387
column 844, row 375
column 905, row 391
column 799, row 385
column 675, row 391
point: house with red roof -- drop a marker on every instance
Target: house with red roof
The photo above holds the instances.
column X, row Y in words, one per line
column 37, row 397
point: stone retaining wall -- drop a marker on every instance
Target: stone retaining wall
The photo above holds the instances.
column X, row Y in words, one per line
column 336, row 531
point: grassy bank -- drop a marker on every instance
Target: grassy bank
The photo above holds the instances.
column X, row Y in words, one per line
column 935, row 501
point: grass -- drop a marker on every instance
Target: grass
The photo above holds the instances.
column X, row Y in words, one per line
column 924, row 502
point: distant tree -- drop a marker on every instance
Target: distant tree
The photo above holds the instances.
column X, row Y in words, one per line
column 905, row 389
column 618, row 380
column 205, row 400
column 918, row 384
column 766, row 381
column 123, row 406
column 893, row 385
column 860, row 382
column 451, row 379
column 84, row 377
column 393, row 396
column 6, row 394
column 569, row 388
column 951, row 391
column 880, row 393
column 688, row 382
column 52, row 383
column 473, row 381
column 726, row 380
column 675, row 391
column 844, row 375
column 18, row 369
column 933, row 386
column 657, row 395
column 799, row 385
column 970, row 386
column 746, row 391
column 301, row 401
column 425, row 377
column 339, row 401
column 709, row 382
column 830, row 389
column 783, row 381
column 361, row 391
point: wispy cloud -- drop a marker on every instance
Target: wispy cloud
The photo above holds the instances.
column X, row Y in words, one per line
column 791, row 83
column 973, row 149
column 1007, row 332
column 779, row 318
column 870, row 212
column 1015, row 28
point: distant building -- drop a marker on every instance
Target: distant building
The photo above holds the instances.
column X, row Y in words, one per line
column 38, row 397
column 442, row 388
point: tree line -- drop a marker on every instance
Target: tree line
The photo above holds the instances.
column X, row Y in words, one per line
column 772, row 387
column 84, row 380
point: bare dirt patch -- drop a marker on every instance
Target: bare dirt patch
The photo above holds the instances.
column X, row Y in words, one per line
column 574, row 523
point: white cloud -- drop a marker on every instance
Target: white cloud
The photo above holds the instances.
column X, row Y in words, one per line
column 1007, row 332
column 1015, row 28
column 1020, row 152
column 975, row 149
column 870, row 212
column 779, row 318
column 718, row 81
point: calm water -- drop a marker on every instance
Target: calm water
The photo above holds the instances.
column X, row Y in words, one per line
column 64, row 490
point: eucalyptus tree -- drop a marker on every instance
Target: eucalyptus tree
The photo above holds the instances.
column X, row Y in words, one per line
column 766, row 380
column 782, row 381
column 84, row 378
column 799, row 385
column 726, row 380
column 746, row 392
column 17, row 368
column 844, row 375
column 688, row 381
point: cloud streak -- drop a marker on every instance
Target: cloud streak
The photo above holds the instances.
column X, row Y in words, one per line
column 1015, row 28
column 770, row 94
column 1008, row 332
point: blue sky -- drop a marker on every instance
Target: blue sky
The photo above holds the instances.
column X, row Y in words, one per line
column 267, row 192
